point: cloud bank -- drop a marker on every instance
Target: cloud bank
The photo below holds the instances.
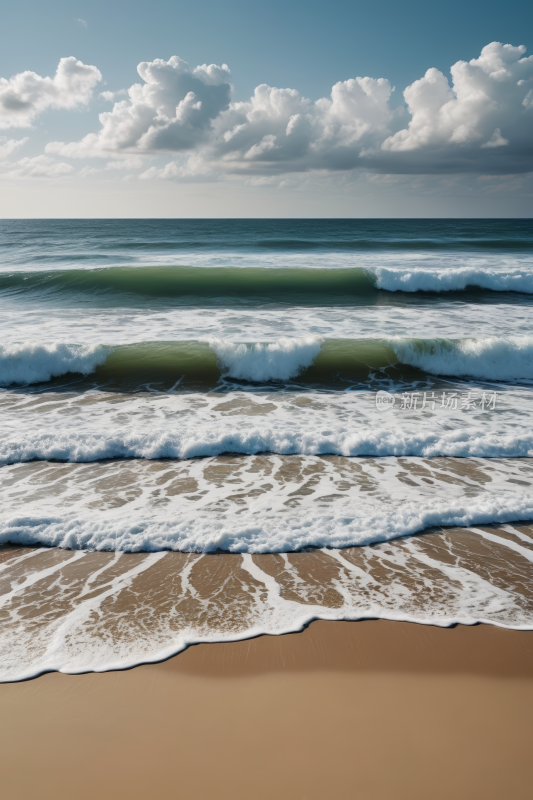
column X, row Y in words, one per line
column 39, row 167
column 479, row 122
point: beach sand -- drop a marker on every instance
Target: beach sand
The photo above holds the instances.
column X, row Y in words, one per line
column 374, row 710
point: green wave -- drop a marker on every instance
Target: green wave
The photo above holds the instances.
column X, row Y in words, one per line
column 202, row 282
column 194, row 366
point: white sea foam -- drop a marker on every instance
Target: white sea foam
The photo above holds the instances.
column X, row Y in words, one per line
column 257, row 533
column 188, row 506
column 31, row 362
column 262, row 324
column 212, row 440
column 496, row 358
column 454, row 279
column 279, row 360
column 99, row 425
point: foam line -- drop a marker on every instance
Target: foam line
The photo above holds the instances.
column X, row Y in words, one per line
column 214, row 440
column 266, row 533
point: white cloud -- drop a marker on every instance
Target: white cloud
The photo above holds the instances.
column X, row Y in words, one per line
column 8, row 146
column 86, row 172
column 24, row 96
column 279, row 130
column 487, row 95
column 171, row 111
column 131, row 162
column 496, row 140
column 82, row 22
column 123, row 163
column 38, row 167
column 110, row 97
column 482, row 122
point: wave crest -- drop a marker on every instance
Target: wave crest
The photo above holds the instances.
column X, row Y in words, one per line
column 496, row 358
column 279, row 360
column 32, row 362
column 298, row 285
column 317, row 361
column 453, row 280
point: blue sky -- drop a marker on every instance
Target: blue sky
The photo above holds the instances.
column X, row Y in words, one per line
column 385, row 163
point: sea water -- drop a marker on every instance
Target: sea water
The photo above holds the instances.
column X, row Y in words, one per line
column 216, row 386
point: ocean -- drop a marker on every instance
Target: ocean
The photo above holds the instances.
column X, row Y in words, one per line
column 212, row 429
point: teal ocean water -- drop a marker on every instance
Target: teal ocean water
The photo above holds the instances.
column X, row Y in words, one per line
column 179, row 339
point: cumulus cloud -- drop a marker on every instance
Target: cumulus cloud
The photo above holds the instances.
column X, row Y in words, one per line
column 172, row 111
column 496, row 140
column 287, row 132
column 485, row 108
column 8, row 146
column 480, row 122
column 24, row 96
column 110, row 97
column 38, row 167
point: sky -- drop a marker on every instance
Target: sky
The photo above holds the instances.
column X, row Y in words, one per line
column 285, row 109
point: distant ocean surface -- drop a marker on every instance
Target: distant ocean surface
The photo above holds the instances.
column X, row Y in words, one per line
column 211, row 387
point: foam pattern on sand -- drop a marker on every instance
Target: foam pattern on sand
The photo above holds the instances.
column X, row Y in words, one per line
column 258, row 505
column 81, row 611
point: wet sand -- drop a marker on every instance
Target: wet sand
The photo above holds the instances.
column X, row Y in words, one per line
column 79, row 611
column 374, row 710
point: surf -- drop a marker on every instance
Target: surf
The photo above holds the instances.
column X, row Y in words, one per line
column 308, row 360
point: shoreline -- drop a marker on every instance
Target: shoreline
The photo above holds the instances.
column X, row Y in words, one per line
column 374, row 710
column 78, row 611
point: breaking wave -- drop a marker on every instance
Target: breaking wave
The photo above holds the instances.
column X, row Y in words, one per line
column 454, row 280
column 279, row 360
column 497, row 358
column 310, row 359
column 31, row 362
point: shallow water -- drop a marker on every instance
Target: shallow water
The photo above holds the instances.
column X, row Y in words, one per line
column 76, row 611
column 209, row 388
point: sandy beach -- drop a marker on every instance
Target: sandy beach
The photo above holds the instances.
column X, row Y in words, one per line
column 372, row 710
